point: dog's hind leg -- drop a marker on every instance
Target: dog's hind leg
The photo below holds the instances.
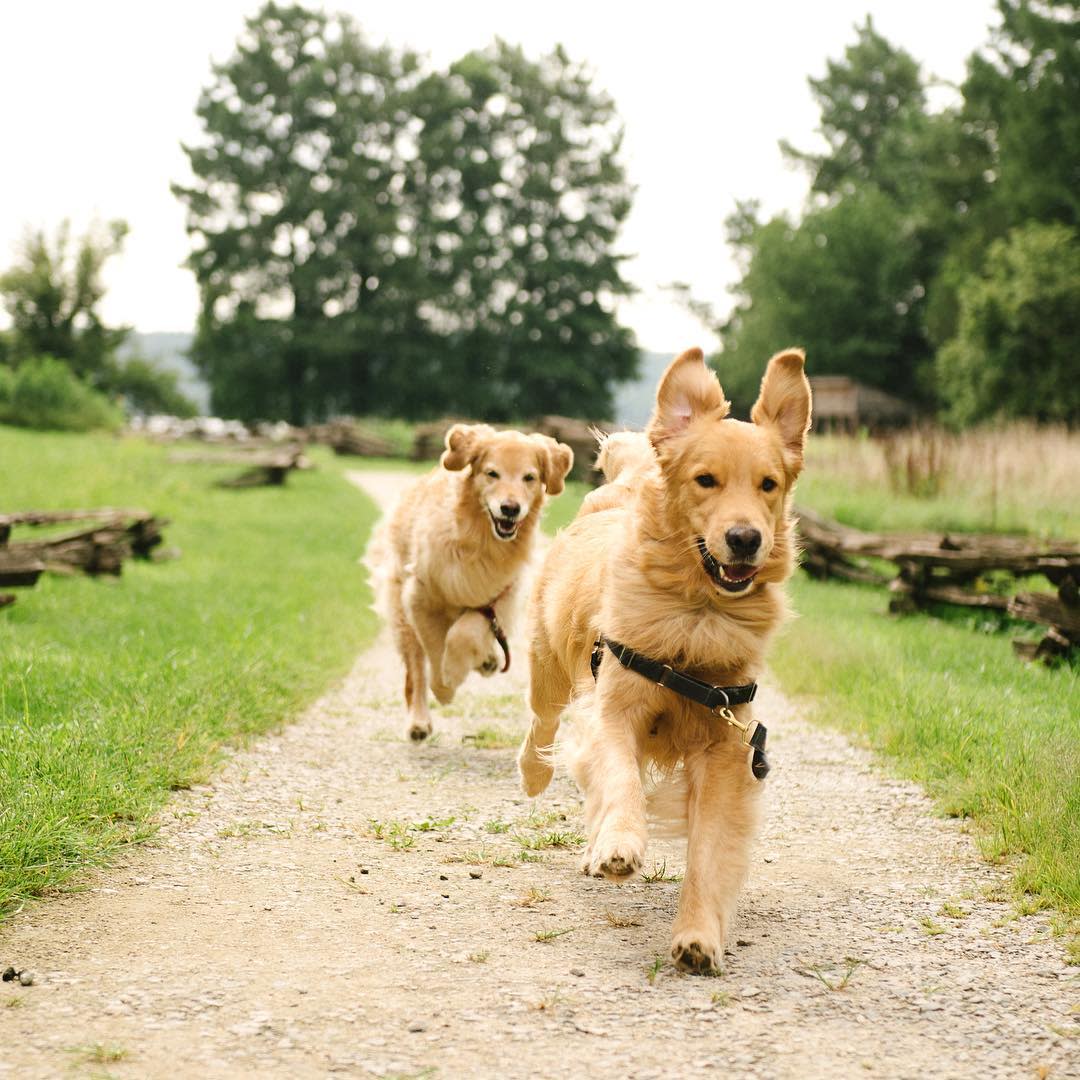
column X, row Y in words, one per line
column 412, row 654
column 549, row 693
column 722, row 812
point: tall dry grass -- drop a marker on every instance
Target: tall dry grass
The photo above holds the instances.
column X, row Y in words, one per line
column 1020, row 478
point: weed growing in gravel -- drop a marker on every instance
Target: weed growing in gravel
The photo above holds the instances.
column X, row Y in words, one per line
column 473, row 857
column 655, row 968
column 931, row 928
column 496, row 826
column 569, row 840
column 954, row 911
column 99, row 1053
column 721, row 998
column 823, row 973
column 659, row 873
column 250, row 828
column 492, row 738
column 550, row 935
column 433, row 824
column 395, row 833
column 479, row 957
column 620, row 922
column 541, row 819
column 530, row 856
column 14, row 1003
column 533, row 896
column 550, row 1002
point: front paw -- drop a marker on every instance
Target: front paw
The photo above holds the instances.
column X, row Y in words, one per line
column 535, row 770
column 698, row 949
column 616, row 853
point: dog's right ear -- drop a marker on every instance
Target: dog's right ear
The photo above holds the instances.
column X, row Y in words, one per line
column 460, row 443
column 687, row 390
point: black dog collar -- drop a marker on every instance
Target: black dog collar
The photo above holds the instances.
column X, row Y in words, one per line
column 718, row 699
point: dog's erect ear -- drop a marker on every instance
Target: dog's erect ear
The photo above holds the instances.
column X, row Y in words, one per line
column 687, row 390
column 461, row 443
column 784, row 403
column 556, row 460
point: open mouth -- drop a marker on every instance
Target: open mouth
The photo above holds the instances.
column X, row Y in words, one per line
column 731, row 577
column 505, row 528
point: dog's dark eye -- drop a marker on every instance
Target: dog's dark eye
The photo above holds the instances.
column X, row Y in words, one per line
column 493, row 474
column 768, row 484
column 705, row 480
column 529, row 478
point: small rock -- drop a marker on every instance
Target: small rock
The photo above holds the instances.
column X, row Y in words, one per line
column 743, row 944
column 26, row 978
column 770, row 858
column 750, row 991
column 578, row 972
column 363, row 870
column 445, row 895
column 417, row 1025
column 443, row 877
column 9, row 974
column 476, row 875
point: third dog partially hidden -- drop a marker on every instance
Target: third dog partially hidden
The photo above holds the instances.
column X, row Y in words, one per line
column 449, row 562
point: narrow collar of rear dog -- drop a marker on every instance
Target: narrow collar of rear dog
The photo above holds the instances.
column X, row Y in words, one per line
column 718, row 699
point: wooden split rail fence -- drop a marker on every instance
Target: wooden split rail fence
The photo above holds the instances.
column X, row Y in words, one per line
column 951, row 568
column 100, row 544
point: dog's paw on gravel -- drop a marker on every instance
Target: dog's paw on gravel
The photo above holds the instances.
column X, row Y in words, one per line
column 695, row 957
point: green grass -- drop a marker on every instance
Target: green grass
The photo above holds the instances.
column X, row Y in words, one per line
column 113, row 693
column 990, row 738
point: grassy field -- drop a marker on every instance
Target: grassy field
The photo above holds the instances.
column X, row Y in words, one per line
column 1019, row 479
column 113, row 693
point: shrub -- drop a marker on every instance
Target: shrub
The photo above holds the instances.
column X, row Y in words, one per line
column 45, row 393
column 145, row 388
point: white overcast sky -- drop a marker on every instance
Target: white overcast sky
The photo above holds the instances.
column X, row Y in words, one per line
column 96, row 98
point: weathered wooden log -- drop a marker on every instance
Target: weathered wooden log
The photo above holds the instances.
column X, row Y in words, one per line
column 1051, row 648
column 1049, row 610
column 19, row 569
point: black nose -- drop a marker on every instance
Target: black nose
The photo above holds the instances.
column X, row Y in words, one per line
column 509, row 509
column 743, row 541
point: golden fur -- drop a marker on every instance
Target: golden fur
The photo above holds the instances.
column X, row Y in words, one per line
column 439, row 556
column 629, row 566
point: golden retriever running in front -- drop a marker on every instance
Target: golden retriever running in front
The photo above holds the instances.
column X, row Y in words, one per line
column 447, row 564
column 668, row 585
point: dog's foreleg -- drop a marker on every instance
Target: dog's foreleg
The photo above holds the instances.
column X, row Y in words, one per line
column 609, row 770
column 470, row 646
column 722, row 813
column 549, row 693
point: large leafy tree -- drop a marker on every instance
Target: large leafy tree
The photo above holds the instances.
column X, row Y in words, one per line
column 52, row 294
column 520, row 197
column 373, row 238
column 297, row 219
column 1015, row 351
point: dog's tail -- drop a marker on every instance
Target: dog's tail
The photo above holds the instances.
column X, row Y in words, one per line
column 623, row 452
column 381, row 565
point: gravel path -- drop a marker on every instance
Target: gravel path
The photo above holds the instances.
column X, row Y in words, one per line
column 339, row 901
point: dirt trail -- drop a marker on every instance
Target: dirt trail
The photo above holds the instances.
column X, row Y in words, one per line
column 269, row 931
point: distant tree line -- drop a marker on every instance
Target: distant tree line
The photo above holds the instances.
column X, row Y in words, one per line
column 372, row 236
column 938, row 256
column 60, row 365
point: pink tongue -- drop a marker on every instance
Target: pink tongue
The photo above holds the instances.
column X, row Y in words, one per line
column 739, row 571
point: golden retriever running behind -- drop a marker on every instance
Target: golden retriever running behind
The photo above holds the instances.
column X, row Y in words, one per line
column 447, row 564
column 681, row 557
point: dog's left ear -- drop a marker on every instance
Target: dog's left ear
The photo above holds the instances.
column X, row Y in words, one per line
column 784, row 403
column 556, row 460
column 687, row 390
column 461, row 445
